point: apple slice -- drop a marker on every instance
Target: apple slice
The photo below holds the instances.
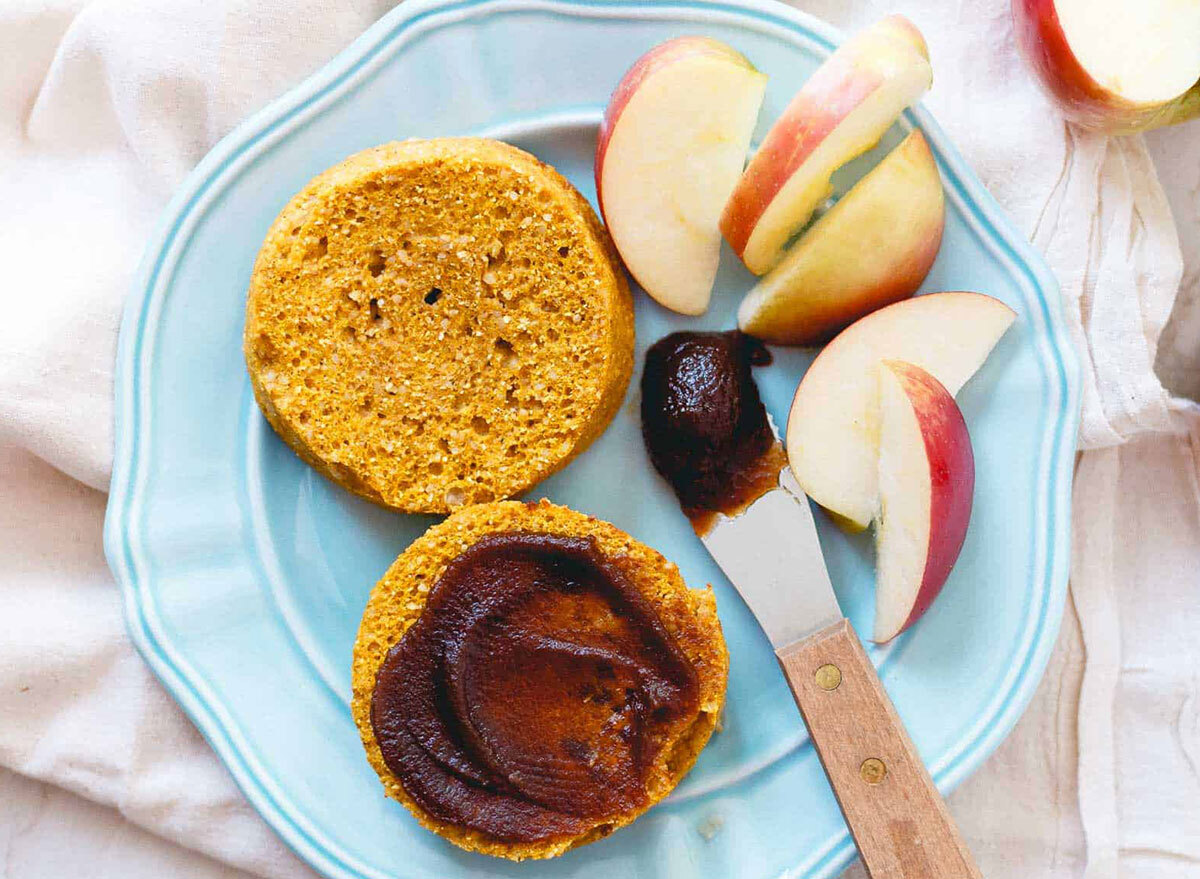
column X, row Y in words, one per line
column 672, row 144
column 1115, row 65
column 926, row 484
column 873, row 248
column 833, row 427
column 840, row 113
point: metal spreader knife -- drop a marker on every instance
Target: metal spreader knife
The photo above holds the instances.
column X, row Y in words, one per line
column 899, row 821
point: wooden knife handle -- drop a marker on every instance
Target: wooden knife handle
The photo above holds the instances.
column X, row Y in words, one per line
column 896, row 815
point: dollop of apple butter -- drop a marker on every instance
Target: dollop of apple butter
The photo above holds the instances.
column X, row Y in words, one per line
column 533, row 693
column 704, row 423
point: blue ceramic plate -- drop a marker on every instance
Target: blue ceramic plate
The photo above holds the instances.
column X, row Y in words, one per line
column 244, row 573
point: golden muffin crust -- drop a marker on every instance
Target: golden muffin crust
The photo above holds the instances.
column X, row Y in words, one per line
column 434, row 323
column 689, row 615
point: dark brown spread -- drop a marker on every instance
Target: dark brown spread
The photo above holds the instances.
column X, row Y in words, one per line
column 531, row 697
column 704, row 423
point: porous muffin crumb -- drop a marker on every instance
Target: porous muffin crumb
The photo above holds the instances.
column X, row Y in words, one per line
column 688, row 615
column 434, row 323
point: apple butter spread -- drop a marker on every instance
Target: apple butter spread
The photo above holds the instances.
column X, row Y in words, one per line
column 704, row 423
column 533, row 693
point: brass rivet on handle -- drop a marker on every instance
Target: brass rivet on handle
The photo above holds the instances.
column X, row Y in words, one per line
column 873, row 770
column 829, row 677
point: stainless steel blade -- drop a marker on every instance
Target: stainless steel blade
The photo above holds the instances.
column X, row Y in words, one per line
column 772, row 555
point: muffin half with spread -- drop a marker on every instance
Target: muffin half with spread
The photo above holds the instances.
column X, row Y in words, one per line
column 527, row 679
column 434, row 323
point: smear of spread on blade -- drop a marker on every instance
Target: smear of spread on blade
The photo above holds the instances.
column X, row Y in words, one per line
column 704, row 423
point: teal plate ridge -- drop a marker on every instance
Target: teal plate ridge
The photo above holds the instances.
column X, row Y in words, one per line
column 244, row 573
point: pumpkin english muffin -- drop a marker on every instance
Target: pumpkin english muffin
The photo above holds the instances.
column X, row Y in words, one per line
column 434, row 323
column 528, row 679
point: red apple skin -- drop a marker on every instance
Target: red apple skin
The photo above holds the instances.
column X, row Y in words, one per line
column 1043, row 42
column 651, row 62
column 803, row 126
column 952, row 478
column 836, row 89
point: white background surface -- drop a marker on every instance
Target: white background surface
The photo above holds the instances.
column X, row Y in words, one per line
column 105, row 105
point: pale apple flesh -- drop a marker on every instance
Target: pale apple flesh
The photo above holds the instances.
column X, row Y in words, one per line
column 1115, row 65
column 838, row 114
column 873, row 248
column 926, row 486
column 671, row 148
column 833, row 426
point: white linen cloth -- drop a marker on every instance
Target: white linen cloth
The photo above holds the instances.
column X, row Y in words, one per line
column 105, row 106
